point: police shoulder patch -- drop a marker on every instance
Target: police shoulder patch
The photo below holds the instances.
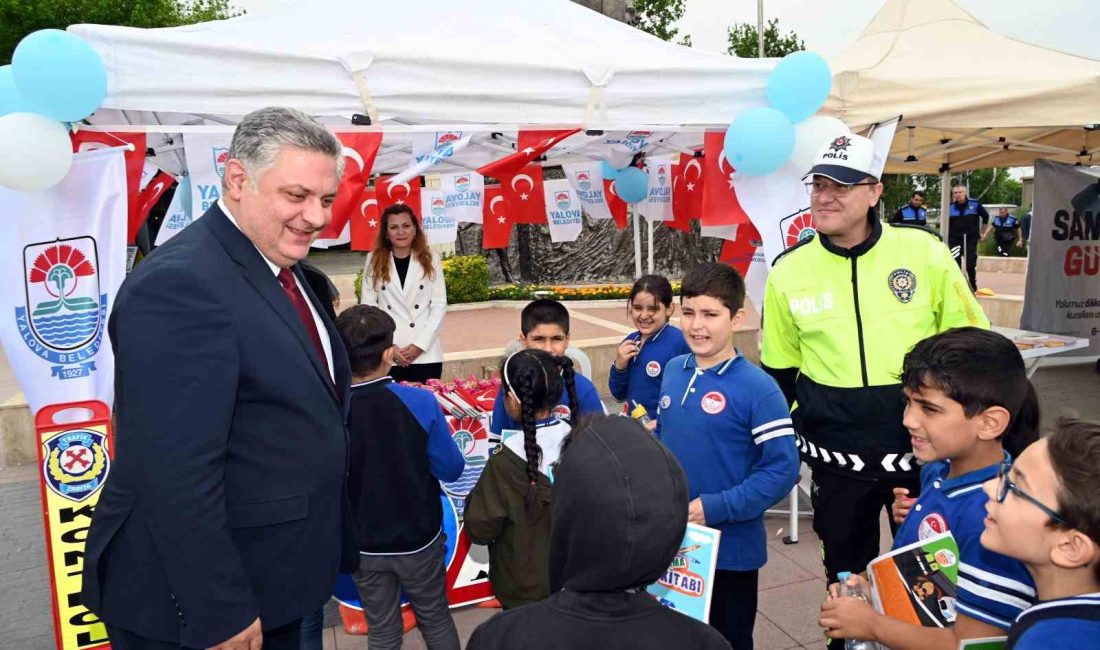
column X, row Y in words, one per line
column 903, row 283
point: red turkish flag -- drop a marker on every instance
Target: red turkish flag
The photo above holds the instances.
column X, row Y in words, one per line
column 524, row 193
column 365, row 220
column 496, row 225
column 135, row 161
column 739, row 252
column 407, row 193
column 529, row 146
column 720, row 205
column 687, row 192
column 156, row 188
column 615, row 204
column 360, row 150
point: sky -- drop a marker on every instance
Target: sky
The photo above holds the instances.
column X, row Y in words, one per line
column 828, row 25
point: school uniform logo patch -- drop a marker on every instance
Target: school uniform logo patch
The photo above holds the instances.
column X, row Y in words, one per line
column 652, row 368
column 932, row 525
column 561, row 412
column 713, row 402
column 904, row 284
column 665, row 402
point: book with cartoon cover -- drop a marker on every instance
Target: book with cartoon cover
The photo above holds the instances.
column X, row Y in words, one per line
column 916, row 583
column 688, row 585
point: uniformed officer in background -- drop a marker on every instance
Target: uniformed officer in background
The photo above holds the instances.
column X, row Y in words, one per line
column 914, row 213
column 840, row 311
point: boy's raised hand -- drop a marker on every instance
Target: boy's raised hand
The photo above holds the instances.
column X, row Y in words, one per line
column 902, row 504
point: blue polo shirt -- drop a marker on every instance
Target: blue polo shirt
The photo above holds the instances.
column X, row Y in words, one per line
column 587, row 398
column 641, row 381
column 992, row 588
column 730, row 428
column 1061, row 624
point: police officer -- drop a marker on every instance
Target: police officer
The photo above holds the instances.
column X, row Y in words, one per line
column 965, row 231
column 913, row 214
column 1006, row 231
column 840, row 311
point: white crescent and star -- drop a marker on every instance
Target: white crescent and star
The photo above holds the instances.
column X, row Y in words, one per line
column 694, row 162
column 493, row 204
column 408, row 191
column 525, row 177
column 723, row 162
column 363, row 209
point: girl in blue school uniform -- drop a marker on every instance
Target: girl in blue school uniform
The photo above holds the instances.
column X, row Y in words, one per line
column 970, row 409
column 640, row 360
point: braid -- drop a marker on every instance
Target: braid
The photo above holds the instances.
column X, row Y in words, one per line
column 531, row 447
column 569, row 376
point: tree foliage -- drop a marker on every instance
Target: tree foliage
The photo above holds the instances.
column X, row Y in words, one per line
column 21, row 17
column 744, row 41
column 659, row 17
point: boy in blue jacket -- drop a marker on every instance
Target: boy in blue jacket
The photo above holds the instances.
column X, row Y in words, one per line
column 728, row 424
column 401, row 448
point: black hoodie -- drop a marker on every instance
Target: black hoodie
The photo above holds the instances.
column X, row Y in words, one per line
column 617, row 516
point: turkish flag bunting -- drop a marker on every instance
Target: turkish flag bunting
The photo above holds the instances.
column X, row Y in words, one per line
column 496, row 224
column 615, row 204
column 687, row 192
column 739, row 252
column 530, row 145
column 407, row 193
column 156, row 188
column 135, row 161
column 720, row 205
column 524, row 193
column 364, row 221
column 360, row 150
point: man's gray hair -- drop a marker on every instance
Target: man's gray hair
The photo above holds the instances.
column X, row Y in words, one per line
column 262, row 134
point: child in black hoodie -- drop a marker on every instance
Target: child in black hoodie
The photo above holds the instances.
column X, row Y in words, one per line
column 617, row 518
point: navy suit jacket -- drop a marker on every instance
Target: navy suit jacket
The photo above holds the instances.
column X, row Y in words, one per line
column 227, row 499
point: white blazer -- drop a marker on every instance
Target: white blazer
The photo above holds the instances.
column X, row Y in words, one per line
column 417, row 308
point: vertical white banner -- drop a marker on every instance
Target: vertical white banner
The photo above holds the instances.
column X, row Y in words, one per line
column 587, row 181
column 439, row 225
column 61, row 263
column 563, row 211
column 178, row 215
column 658, row 203
column 464, row 194
column 206, row 155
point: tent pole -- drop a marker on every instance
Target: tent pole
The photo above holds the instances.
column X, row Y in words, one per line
column 945, row 205
column 649, row 249
column 637, row 243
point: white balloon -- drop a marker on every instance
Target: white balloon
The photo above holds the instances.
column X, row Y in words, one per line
column 810, row 137
column 37, row 152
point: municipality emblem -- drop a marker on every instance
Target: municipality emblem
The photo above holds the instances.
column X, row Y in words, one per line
column 439, row 206
column 63, row 318
column 221, row 155
column 584, row 181
column 75, row 463
column 662, row 175
column 445, row 142
column 904, row 284
column 462, row 183
column 797, row 227
column 563, row 201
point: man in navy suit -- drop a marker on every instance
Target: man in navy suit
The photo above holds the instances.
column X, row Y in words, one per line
column 223, row 520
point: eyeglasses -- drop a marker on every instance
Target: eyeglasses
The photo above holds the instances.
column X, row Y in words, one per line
column 815, row 188
column 1004, row 484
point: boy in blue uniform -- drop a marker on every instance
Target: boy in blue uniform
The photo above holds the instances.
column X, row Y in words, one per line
column 970, row 406
column 1051, row 523
column 544, row 325
column 728, row 424
column 401, row 448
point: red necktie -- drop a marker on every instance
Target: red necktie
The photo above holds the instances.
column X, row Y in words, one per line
column 290, row 287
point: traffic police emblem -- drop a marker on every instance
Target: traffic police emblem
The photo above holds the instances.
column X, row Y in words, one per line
column 904, row 284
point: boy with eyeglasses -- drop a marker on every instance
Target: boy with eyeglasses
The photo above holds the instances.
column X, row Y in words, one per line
column 841, row 309
column 1044, row 510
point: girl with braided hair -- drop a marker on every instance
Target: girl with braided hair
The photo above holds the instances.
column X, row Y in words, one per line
column 509, row 508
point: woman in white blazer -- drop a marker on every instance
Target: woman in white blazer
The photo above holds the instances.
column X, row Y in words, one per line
column 405, row 279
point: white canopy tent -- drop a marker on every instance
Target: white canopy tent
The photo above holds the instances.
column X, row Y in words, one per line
column 971, row 98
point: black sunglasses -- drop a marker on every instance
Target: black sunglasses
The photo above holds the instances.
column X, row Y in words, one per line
column 1004, row 484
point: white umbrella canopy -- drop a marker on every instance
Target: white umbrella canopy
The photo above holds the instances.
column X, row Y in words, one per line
column 971, row 97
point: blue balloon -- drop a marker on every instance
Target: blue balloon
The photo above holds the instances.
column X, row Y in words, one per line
column 609, row 172
column 59, row 75
column 759, row 141
column 632, row 185
column 799, row 85
column 10, row 100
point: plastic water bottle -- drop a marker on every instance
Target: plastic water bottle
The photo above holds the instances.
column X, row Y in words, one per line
column 641, row 414
column 854, row 592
